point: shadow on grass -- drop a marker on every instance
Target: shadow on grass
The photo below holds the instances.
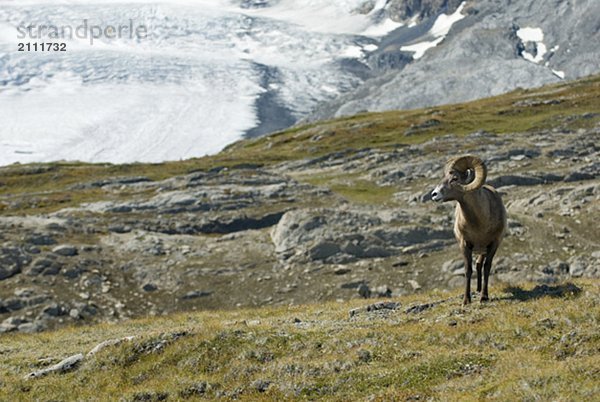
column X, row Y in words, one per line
column 564, row 290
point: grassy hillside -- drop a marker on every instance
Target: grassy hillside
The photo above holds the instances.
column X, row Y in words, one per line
column 142, row 257
column 528, row 343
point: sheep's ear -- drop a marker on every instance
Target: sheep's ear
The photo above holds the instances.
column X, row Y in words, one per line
column 470, row 176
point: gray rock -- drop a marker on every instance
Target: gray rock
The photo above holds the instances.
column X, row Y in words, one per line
column 9, row 271
column 261, row 385
column 32, row 327
column 577, row 268
column 556, row 267
column 14, row 304
column 383, row 291
column 44, row 266
column 364, row 290
column 324, row 250
column 454, row 267
column 68, row 364
column 40, row 239
column 584, row 265
column 54, row 310
column 578, row 176
column 73, row 272
column 149, row 287
column 108, row 343
column 195, row 294
column 12, row 324
column 12, row 261
column 24, row 292
column 414, row 284
column 66, row 250
column 419, row 308
column 383, row 306
column 343, row 236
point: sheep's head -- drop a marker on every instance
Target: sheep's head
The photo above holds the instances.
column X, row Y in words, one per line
column 461, row 175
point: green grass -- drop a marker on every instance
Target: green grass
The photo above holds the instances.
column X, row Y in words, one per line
column 527, row 344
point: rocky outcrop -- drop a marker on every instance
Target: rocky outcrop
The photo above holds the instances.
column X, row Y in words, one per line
column 342, row 236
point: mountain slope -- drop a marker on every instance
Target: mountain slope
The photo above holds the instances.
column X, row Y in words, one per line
column 527, row 343
column 335, row 210
column 495, row 48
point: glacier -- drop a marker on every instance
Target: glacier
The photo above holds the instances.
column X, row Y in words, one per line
column 188, row 89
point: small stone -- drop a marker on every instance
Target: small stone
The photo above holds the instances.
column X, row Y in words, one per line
column 11, row 324
column 65, row 250
column 54, row 310
column 74, row 313
column 149, row 287
column 453, row 266
column 24, row 292
column 363, row 290
column 31, row 327
column 556, row 267
column 419, row 308
column 383, row 291
column 195, row 294
column 414, row 284
column 577, row 268
column 342, row 271
column 383, row 306
column 110, row 342
column 261, row 385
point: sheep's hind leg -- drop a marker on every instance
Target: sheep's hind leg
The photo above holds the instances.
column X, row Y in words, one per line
column 487, row 267
column 478, row 267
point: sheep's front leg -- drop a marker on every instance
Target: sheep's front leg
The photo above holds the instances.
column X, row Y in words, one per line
column 468, row 256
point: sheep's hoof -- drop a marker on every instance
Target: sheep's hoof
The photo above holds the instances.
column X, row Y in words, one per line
column 466, row 301
column 485, row 298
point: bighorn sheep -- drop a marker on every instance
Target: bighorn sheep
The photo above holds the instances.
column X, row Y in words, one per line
column 480, row 216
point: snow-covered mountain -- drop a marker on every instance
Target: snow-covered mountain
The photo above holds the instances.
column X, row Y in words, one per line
column 207, row 72
column 498, row 46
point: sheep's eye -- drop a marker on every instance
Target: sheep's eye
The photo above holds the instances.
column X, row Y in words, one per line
column 453, row 179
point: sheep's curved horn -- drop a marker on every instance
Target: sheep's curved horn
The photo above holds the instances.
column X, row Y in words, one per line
column 464, row 163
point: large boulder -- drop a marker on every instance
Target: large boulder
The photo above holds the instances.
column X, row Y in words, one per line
column 341, row 236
